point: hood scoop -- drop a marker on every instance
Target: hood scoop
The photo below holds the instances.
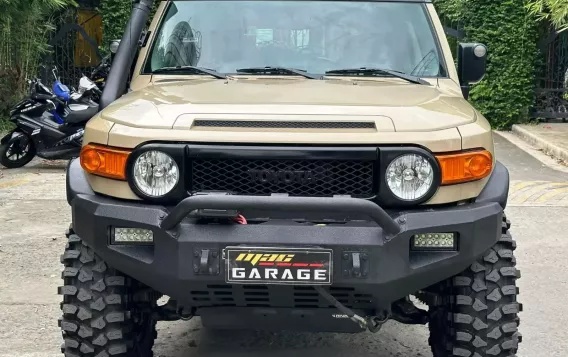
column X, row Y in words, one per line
column 278, row 124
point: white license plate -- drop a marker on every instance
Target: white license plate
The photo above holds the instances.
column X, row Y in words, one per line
column 288, row 266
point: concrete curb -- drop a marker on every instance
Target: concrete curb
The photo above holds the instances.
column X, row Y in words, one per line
column 546, row 146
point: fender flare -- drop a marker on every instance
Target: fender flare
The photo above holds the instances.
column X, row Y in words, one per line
column 10, row 135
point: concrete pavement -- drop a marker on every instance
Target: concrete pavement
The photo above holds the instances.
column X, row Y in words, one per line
column 536, row 178
column 551, row 138
column 34, row 216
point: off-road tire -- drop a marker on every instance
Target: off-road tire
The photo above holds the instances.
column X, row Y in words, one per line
column 475, row 314
column 99, row 316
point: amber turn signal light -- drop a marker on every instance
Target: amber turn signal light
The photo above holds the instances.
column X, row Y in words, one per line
column 465, row 166
column 104, row 161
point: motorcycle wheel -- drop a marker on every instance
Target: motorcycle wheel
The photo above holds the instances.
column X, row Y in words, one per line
column 17, row 152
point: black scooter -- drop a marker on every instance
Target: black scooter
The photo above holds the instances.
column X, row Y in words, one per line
column 100, row 73
column 37, row 131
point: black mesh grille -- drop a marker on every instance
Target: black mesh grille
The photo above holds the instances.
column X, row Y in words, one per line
column 308, row 178
column 277, row 296
column 284, row 124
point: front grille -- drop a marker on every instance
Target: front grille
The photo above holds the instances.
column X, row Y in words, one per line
column 284, row 124
column 278, row 296
column 261, row 177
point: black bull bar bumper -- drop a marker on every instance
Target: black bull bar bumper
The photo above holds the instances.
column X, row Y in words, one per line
column 173, row 265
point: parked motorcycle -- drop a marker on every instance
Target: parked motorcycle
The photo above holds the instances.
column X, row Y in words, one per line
column 100, row 73
column 87, row 95
column 88, row 90
column 49, row 124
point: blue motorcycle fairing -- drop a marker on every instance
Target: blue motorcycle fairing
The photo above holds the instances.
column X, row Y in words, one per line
column 57, row 118
column 61, row 90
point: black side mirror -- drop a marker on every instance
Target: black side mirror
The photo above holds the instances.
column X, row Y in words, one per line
column 472, row 63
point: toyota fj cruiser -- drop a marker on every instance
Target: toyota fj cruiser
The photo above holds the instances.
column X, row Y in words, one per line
column 296, row 164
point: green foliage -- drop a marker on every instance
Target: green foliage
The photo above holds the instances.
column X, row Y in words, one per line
column 510, row 32
column 5, row 126
column 24, row 26
column 553, row 11
column 453, row 10
column 115, row 14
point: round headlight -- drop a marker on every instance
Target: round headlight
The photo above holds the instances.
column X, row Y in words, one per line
column 410, row 177
column 155, row 173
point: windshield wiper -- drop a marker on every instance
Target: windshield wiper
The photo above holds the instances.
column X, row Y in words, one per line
column 277, row 70
column 191, row 69
column 365, row 71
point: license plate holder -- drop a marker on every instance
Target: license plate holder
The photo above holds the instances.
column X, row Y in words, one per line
column 279, row 266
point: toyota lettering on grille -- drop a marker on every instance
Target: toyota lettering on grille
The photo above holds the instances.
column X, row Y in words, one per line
column 282, row 176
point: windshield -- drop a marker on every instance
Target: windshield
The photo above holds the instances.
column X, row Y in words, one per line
column 312, row 36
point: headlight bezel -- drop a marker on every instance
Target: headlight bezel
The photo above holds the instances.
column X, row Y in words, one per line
column 178, row 191
column 387, row 155
column 160, row 169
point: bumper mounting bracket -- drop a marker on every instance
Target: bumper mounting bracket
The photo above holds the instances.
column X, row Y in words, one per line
column 206, row 261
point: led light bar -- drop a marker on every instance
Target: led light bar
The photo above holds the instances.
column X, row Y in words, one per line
column 132, row 236
column 435, row 241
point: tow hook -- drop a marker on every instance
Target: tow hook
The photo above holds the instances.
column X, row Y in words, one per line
column 373, row 323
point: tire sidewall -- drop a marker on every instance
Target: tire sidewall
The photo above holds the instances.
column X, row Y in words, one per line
column 10, row 164
column 98, row 316
column 475, row 313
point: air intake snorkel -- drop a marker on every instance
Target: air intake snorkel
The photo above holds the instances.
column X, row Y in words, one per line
column 120, row 70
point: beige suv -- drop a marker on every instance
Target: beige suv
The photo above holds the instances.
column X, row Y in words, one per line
column 304, row 165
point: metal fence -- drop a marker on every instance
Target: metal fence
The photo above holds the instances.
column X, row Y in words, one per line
column 551, row 92
column 454, row 33
column 552, row 85
column 74, row 47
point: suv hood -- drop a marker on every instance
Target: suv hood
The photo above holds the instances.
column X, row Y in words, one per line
column 393, row 104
